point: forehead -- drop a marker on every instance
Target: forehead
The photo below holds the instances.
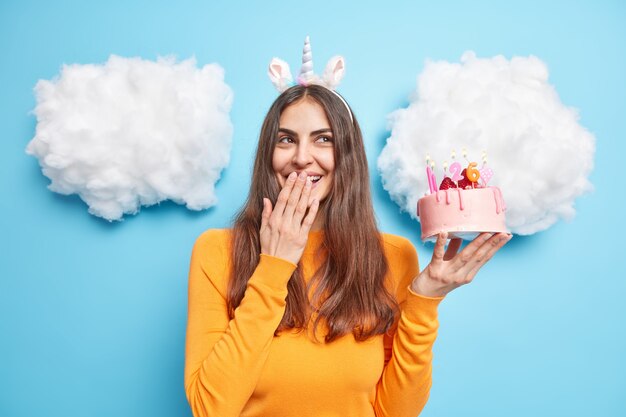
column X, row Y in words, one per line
column 304, row 115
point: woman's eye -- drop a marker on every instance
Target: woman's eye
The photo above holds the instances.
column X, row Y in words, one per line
column 325, row 139
column 285, row 139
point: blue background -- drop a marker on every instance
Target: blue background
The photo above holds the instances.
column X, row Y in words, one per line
column 93, row 314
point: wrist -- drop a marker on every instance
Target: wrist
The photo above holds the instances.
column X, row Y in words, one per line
column 289, row 259
column 423, row 286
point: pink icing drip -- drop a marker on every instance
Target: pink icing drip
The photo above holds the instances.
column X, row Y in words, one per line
column 497, row 194
column 460, row 198
column 437, row 195
column 447, row 197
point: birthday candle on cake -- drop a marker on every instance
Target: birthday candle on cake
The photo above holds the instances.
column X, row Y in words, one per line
column 432, row 181
column 472, row 173
column 455, row 168
column 485, row 172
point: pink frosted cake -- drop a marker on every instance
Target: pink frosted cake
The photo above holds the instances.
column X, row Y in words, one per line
column 464, row 208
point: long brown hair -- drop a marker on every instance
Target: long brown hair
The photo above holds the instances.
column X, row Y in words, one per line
column 350, row 295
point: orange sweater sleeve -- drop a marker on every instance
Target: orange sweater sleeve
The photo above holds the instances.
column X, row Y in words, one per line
column 224, row 358
column 404, row 386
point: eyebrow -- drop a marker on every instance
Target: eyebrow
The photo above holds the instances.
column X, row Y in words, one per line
column 315, row 132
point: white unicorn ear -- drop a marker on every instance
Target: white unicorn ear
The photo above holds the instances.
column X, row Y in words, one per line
column 334, row 71
column 280, row 74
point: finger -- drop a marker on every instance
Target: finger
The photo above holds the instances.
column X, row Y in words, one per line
column 294, row 197
column 494, row 245
column 440, row 246
column 453, row 248
column 466, row 254
column 283, row 196
column 478, row 241
column 310, row 217
column 267, row 211
column 302, row 204
column 480, row 257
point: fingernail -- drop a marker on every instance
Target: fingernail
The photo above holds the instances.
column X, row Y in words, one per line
column 308, row 181
column 303, row 175
column 292, row 175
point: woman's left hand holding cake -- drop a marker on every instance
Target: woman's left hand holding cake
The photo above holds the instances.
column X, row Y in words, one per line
column 449, row 268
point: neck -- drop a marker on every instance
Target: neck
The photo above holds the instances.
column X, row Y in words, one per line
column 318, row 223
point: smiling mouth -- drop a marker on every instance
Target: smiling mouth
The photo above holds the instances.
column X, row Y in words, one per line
column 314, row 178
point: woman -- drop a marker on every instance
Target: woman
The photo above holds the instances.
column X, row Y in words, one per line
column 304, row 308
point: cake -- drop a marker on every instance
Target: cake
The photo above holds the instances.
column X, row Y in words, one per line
column 463, row 208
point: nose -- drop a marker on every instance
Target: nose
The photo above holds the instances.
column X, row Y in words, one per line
column 303, row 155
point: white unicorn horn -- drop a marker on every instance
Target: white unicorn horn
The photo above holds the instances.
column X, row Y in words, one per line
column 306, row 71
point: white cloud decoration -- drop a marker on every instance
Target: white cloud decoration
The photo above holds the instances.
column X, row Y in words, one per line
column 134, row 132
column 540, row 155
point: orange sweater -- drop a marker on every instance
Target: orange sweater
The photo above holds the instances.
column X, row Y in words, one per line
column 238, row 368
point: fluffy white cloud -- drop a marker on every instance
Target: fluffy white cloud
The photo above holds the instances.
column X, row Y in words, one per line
column 134, row 132
column 540, row 155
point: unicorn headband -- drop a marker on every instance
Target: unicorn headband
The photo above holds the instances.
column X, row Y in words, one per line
column 280, row 74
